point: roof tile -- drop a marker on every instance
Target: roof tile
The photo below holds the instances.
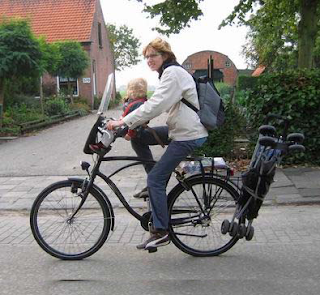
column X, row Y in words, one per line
column 57, row 20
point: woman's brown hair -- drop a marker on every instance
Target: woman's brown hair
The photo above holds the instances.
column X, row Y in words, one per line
column 162, row 47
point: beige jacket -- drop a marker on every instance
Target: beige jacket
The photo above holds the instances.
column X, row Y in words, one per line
column 183, row 122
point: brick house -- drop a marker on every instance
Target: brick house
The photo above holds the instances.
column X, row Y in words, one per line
column 70, row 20
column 224, row 69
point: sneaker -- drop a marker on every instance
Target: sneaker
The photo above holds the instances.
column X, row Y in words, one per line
column 142, row 195
column 156, row 240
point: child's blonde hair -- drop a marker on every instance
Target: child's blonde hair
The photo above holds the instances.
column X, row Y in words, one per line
column 137, row 88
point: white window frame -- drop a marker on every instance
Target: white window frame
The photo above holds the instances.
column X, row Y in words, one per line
column 58, row 86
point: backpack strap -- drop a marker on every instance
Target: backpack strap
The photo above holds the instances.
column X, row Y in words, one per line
column 190, row 105
column 131, row 104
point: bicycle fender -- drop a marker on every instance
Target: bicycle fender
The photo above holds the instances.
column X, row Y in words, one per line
column 186, row 184
column 101, row 193
column 216, row 176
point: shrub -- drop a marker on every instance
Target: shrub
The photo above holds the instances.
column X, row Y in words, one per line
column 16, row 100
column 80, row 106
column 246, row 82
column 96, row 102
column 20, row 114
column 56, row 106
column 294, row 94
column 220, row 142
column 115, row 102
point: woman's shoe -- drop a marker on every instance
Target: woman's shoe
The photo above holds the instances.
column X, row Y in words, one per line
column 158, row 239
column 142, row 195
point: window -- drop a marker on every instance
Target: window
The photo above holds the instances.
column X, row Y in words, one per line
column 99, row 35
column 187, row 66
column 228, row 64
column 63, row 85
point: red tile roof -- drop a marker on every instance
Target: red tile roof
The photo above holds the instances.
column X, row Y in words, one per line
column 258, row 71
column 57, row 20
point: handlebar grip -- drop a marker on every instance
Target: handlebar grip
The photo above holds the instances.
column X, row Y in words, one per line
column 121, row 131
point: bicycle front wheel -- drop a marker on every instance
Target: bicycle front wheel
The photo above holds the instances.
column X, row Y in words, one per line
column 196, row 216
column 64, row 236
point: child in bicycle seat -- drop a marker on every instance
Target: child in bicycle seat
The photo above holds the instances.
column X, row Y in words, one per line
column 136, row 96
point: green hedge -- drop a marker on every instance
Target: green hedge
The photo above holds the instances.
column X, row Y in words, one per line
column 295, row 94
column 220, row 142
column 246, row 82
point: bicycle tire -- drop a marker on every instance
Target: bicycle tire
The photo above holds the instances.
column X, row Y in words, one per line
column 188, row 232
column 56, row 234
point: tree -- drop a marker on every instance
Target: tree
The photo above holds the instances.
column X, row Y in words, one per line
column 20, row 53
column 124, row 45
column 49, row 63
column 177, row 14
column 289, row 21
column 72, row 62
column 272, row 39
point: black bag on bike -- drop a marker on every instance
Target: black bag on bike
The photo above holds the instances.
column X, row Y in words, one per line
column 255, row 182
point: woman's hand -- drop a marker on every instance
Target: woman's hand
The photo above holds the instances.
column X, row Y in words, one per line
column 127, row 137
column 114, row 124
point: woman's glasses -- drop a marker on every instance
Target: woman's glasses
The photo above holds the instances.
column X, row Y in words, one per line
column 152, row 56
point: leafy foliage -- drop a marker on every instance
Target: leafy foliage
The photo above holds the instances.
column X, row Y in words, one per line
column 220, row 142
column 50, row 56
column 294, row 94
column 21, row 113
column 124, row 45
column 246, row 82
column 72, row 59
column 56, row 106
column 20, row 52
column 175, row 15
column 282, row 33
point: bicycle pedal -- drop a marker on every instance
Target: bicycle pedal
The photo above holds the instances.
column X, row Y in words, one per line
column 152, row 250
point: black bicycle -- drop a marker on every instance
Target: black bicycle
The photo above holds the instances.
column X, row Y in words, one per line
column 209, row 212
column 71, row 219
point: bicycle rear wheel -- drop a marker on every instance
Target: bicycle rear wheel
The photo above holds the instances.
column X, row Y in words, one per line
column 196, row 218
column 64, row 237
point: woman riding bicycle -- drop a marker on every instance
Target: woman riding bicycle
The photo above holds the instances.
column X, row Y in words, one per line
column 183, row 133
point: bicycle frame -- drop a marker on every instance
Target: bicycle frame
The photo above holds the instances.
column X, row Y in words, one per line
column 88, row 183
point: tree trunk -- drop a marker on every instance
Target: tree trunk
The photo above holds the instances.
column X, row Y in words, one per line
column 307, row 30
column 70, row 91
column 1, row 100
column 41, row 96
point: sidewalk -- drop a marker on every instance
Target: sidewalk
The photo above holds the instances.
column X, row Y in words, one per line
column 291, row 186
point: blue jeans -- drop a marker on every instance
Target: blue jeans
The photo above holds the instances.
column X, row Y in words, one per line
column 159, row 174
column 144, row 139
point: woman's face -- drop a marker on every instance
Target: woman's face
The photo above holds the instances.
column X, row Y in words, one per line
column 154, row 59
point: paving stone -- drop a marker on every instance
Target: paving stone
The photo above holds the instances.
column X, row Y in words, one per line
column 310, row 192
column 7, row 186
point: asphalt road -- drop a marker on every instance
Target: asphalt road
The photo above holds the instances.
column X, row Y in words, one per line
column 283, row 259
